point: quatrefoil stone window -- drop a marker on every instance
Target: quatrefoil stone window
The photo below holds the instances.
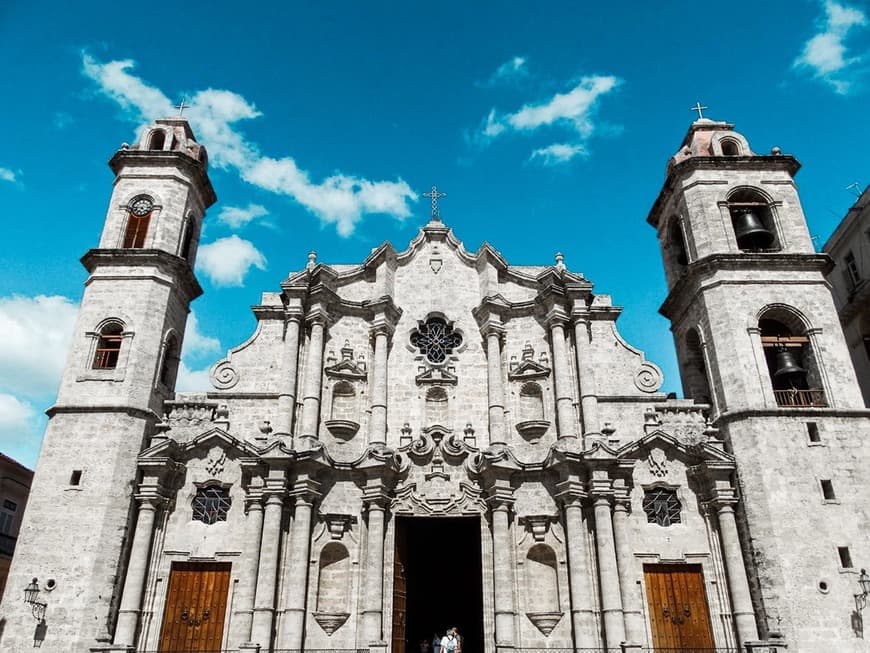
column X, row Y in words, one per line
column 662, row 506
column 211, row 504
column 436, row 339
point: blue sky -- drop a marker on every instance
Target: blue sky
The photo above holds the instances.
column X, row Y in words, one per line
column 549, row 126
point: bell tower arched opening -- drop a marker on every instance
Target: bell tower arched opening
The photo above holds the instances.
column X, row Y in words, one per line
column 753, row 222
column 791, row 362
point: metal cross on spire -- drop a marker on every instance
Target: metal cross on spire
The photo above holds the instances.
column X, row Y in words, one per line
column 435, row 194
column 699, row 109
column 181, row 107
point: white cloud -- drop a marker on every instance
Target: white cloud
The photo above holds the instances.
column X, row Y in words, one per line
column 226, row 261
column 825, row 53
column 7, row 175
column 195, row 341
column 557, row 153
column 192, row 380
column 572, row 111
column 511, row 70
column 36, row 337
column 340, row 199
column 21, row 429
column 237, row 217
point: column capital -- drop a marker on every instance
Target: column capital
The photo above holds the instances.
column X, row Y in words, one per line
column 571, row 493
column 492, row 327
column 381, row 327
column 557, row 316
column 293, row 314
column 253, row 502
column 376, row 495
column 150, row 501
column 317, row 315
column 305, row 490
column 500, row 498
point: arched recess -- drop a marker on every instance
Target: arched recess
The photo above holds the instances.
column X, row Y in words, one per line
column 157, row 139
column 186, row 249
column 531, row 402
column 542, row 579
column 793, row 365
column 677, row 251
column 436, row 407
column 110, row 336
column 696, row 382
column 170, row 360
column 753, row 220
column 730, row 147
column 343, row 401
column 333, row 582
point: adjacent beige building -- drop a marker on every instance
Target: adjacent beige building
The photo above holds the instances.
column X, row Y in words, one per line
column 435, row 437
column 849, row 246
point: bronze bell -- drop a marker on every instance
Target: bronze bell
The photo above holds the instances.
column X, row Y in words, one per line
column 787, row 365
column 750, row 231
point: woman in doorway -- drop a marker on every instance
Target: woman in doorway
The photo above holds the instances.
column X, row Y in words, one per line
column 450, row 642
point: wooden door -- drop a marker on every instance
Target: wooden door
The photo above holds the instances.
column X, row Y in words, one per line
column 196, row 605
column 400, row 588
column 678, row 611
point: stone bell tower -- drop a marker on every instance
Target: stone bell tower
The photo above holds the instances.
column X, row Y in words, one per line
column 758, row 339
column 122, row 365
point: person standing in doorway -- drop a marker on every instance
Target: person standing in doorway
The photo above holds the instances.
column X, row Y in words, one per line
column 436, row 643
column 450, row 642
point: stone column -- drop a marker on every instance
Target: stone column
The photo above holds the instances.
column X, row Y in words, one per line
column 586, row 378
column 245, row 596
column 497, row 432
column 608, row 574
column 378, row 419
column 579, row 586
column 631, row 599
column 134, row 583
column 562, row 377
column 741, row 601
column 264, row 603
column 296, row 572
column 502, row 569
column 375, row 502
column 312, row 383
column 287, row 389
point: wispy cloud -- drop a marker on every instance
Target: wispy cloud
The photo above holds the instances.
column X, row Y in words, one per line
column 572, row 111
column 557, row 153
column 512, row 70
column 825, row 54
column 7, row 175
column 236, row 217
column 195, row 341
column 340, row 199
column 227, row 261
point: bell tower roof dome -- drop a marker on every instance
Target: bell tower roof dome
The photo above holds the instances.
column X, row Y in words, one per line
column 711, row 138
column 171, row 135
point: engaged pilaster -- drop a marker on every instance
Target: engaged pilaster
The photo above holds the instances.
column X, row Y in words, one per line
column 386, row 315
column 244, row 612
column 289, row 362
column 572, row 494
column 631, row 598
column 608, row 571
column 556, row 321
column 270, row 545
column 501, row 502
column 304, row 494
column 375, row 503
column 316, row 319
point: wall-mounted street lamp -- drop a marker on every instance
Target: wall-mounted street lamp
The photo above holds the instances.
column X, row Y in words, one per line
column 31, row 597
column 864, row 585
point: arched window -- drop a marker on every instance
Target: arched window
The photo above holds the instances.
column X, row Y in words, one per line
column 752, row 220
column 108, row 347
column 333, row 578
column 531, row 402
column 169, row 364
column 211, row 504
column 436, row 407
column 677, row 245
column 696, row 383
column 730, row 147
column 187, row 241
column 157, row 140
column 542, row 579
column 343, row 401
column 137, row 223
column 791, row 362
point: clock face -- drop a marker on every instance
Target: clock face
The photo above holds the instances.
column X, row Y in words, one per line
column 141, row 206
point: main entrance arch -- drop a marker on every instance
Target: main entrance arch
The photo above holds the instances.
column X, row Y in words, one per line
column 437, row 581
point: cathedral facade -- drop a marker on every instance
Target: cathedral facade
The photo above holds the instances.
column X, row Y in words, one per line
column 436, row 438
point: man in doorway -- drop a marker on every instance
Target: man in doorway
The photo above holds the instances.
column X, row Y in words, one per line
column 451, row 642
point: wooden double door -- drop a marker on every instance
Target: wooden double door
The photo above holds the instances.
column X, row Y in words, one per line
column 196, row 606
column 679, row 617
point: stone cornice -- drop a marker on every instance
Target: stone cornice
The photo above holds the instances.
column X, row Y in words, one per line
column 688, row 286
column 158, row 158
column 784, row 162
column 178, row 267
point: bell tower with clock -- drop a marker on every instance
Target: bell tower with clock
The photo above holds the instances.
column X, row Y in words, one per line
column 122, row 365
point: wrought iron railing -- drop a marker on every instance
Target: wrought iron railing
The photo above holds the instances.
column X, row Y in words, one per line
column 814, row 398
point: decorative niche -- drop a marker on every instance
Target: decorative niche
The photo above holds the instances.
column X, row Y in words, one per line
column 528, row 374
column 347, row 379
